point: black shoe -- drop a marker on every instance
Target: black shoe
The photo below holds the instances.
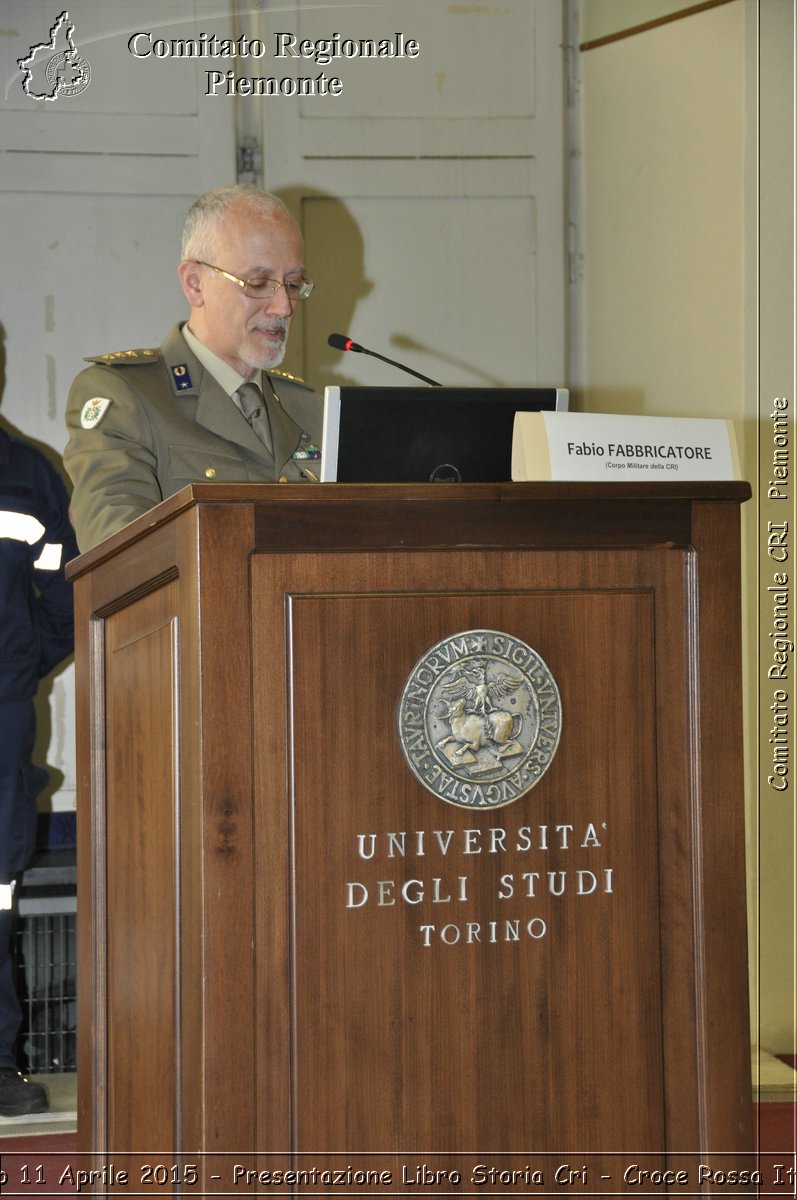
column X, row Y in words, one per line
column 18, row 1096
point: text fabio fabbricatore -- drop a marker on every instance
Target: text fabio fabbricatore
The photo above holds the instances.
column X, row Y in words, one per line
column 322, row 52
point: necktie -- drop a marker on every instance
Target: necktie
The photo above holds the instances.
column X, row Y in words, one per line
column 253, row 407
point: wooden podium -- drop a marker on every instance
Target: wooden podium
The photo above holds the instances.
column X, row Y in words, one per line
column 304, row 947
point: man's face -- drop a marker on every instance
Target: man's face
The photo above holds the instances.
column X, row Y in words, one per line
column 248, row 334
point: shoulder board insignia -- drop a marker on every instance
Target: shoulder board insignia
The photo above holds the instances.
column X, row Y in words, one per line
column 124, row 357
column 285, row 375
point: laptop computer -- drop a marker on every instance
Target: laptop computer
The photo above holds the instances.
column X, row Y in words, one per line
column 418, row 435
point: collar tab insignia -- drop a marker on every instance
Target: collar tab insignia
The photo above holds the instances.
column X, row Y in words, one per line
column 181, row 377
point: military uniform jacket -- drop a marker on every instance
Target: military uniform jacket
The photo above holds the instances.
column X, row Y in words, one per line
column 144, row 423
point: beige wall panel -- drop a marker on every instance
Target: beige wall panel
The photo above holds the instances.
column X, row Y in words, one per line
column 773, row 370
column 664, row 218
column 688, row 309
column 608, row 18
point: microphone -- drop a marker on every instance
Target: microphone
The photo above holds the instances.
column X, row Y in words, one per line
column 339, row 341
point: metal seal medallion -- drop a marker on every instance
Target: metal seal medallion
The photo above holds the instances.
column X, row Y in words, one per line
column 479, row 719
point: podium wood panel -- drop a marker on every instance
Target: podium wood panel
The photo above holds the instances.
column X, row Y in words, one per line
column 400, row 1006
column 142, row 902
column 295, row 951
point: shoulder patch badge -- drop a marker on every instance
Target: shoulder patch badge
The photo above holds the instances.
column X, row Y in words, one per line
column 93, row 411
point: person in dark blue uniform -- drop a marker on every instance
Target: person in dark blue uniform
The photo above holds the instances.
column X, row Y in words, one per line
column 36, row 634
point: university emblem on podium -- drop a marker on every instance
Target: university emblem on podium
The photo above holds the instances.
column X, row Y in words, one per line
column 479, row 719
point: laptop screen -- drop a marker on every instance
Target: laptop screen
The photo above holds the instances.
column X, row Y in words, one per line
column 418, row 435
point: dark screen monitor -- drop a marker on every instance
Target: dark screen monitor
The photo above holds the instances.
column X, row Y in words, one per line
column 414, row 435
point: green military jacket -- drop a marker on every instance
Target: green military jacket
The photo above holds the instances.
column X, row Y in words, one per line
column 144, row 423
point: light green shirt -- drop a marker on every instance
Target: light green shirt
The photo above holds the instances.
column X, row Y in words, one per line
column 226, row 376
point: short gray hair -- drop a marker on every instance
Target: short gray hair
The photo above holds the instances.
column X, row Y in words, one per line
column 205, row 215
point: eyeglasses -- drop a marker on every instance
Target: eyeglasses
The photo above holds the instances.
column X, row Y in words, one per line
column 261, row 289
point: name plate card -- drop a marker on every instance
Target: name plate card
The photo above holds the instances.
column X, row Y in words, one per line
column 604, row 446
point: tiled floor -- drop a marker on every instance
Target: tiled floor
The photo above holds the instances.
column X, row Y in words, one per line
column 62, row 1117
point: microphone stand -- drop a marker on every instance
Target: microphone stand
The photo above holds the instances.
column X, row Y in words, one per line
column 343, row 343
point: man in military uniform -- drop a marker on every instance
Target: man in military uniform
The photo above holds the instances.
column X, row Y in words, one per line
column 209, row 404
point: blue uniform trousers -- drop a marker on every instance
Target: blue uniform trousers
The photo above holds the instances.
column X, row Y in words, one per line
column 20, row 783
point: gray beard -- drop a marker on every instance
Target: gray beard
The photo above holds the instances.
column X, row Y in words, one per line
column 265, row 361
